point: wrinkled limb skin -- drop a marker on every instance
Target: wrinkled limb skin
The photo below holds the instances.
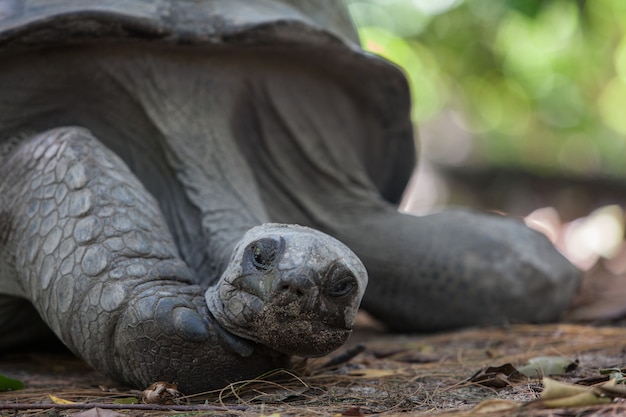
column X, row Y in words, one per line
column 445, row 270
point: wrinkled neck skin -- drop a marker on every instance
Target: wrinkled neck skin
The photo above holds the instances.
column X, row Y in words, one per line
column 191, row 110
column 168, row 115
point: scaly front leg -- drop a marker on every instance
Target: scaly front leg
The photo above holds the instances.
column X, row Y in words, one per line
column 88, row 246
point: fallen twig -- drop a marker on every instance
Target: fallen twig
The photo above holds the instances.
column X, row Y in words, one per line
column 145, row 407
column 345, row 356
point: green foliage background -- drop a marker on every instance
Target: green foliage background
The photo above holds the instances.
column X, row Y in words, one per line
column 541, row 84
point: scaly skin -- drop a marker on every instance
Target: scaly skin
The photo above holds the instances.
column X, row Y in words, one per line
column 92, row 253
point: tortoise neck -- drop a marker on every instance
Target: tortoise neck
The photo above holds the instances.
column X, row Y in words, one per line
column 168, row 114
column 190, row 99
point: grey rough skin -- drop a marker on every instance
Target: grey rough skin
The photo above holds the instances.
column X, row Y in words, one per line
column 156, row 157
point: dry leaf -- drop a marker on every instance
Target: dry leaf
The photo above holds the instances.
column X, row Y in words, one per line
column 583, row 398
column 161, row 393
column 560, row 394
column 353, row 412
column 547, row 365
column 498, row 376
column 612, row 389
column 58, row 400
column 555, row 389
column 495, row 405
column 98, row 412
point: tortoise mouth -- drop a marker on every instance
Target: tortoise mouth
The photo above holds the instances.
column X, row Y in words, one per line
column 301, row 337
column 291, row 329
column 292, row 326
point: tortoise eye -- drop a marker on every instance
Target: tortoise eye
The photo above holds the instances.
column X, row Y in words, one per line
column 342, row 287
column 341, row 281
column 264, row 253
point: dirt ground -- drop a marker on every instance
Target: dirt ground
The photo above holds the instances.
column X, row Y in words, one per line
column 376, row 373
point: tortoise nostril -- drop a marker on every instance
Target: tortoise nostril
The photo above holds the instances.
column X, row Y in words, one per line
column 294, row 289
column 297, row 288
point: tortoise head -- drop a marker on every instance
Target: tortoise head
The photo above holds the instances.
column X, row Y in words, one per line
column 291, row 288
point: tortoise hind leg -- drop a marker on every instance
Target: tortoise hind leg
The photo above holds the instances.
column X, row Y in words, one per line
column 457, row 268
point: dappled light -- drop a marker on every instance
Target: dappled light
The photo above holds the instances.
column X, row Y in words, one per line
column 428, row 190
column 540, row 85
column 598, row 234
column 586, row 240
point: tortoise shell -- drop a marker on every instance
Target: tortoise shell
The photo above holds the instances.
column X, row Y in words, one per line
column 318, row 28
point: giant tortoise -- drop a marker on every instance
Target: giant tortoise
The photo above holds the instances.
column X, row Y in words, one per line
column 171, row 174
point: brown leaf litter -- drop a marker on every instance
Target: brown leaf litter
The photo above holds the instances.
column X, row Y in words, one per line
column 392, row 374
